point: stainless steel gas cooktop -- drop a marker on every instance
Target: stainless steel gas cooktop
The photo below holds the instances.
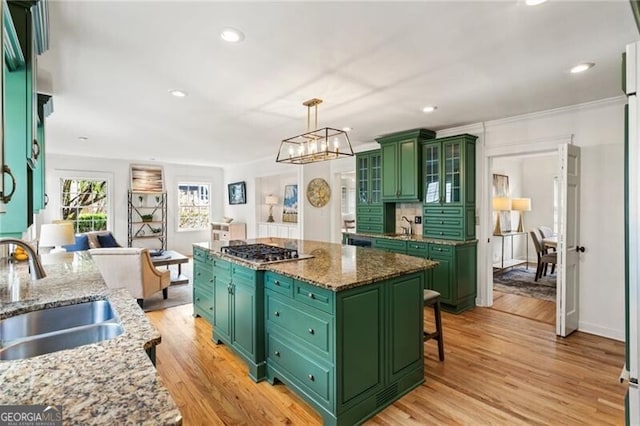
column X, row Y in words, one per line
column 263, row 253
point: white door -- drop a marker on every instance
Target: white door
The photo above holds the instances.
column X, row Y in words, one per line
column 568, row 240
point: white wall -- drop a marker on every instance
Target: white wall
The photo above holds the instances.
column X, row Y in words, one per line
column 118, row 170
column 598, row 128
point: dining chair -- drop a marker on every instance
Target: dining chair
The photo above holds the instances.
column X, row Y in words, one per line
column 544, row 258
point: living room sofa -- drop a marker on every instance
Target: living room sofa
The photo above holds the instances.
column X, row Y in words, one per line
column 93, row 239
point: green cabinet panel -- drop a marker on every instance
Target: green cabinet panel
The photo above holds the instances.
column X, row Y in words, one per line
column 448, row 169
column 238, row 312
column 351, row 354
column 202, row 288
column 402, row 165
column 390, row 245
column 456, row 277
column 371, row 213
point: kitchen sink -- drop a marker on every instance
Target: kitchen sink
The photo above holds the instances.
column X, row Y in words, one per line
column 50, row 330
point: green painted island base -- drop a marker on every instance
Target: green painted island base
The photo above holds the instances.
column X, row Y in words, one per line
column 363, row 410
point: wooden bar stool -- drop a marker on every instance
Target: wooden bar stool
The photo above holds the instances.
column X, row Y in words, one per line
column 432, row 299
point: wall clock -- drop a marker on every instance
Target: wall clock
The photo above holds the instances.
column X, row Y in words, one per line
column 318, row 192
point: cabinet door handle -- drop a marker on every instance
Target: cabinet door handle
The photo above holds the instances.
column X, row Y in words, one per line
column 311, row 331
column 312, row 296
column 311, row 377
column 276, row 353
column 198, row 273
column 211, row 308
column 441, row 233
column 6, row 198
column 211, row 280
column 197, row 299
column 276, row 282
column 276, row 313
column 46, row 199
column 442, row 222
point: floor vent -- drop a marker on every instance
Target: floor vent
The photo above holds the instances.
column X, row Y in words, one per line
column 387, row 395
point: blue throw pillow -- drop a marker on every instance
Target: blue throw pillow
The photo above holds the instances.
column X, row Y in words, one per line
column 82, row 243
column 107, row 240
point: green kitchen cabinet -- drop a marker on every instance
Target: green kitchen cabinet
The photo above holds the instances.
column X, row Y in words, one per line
column 45, row 107
column 455, row 277
column 346, row 353
column 238, row 313
column 390, row 245
column 371, row 213
column 202, row 284
column 448, row 170
column 401, row 165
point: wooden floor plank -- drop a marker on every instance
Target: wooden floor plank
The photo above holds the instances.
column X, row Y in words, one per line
column 500, row 368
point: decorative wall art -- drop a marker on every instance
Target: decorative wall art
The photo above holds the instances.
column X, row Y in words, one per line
column 290, row 204
column 318, row 192
column 237, row 193
column 146, row 178
column 501, row 189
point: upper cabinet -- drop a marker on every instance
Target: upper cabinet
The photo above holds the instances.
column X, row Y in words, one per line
column 371, row 213
column 24, row 36
column 401, row 165
column 448, row 169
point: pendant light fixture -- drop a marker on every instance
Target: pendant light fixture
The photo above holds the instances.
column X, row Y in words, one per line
column 315, row 145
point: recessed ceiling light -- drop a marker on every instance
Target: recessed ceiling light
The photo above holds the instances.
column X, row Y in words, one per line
column 582, row 67
column 429, row 108
column 178, row 93
column 83, row 138
column 534, row 2
column 347, row 129
column 231, row 35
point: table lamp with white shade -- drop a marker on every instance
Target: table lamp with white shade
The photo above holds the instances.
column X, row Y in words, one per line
column 500, row 204
column 521, row 205
column 271, row 200
column 57, row 235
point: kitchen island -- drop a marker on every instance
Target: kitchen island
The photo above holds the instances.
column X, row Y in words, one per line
column 109, row 382
column 342, row 328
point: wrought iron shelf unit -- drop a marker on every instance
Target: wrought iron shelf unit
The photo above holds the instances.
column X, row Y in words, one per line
column 142, row 205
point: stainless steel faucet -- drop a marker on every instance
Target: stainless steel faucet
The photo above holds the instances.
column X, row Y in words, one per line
column 35, row 266
column 409, row 222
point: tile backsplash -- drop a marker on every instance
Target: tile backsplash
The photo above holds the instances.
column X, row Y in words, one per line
column 410, row 210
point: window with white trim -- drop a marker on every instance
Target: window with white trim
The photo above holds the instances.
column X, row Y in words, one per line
column 194, row 206
column 84, row 201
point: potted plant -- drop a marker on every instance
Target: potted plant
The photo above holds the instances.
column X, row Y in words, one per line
column 158, row 198
column 140, row 199
column 146, row 217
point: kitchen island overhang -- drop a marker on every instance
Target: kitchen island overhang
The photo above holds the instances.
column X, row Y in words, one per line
column 344, row 329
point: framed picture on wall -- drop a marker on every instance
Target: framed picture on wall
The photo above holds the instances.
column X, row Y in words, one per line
column 501, row 189
column 146, row 178
column 290, row 204
column 237, row 193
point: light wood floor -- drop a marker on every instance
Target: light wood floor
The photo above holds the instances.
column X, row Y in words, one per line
column 500, row 369
column 527, row 307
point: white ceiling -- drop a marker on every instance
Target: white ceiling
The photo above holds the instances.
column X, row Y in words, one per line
column 375, row 65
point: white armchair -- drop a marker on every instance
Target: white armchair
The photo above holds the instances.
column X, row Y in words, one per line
column 131, row 268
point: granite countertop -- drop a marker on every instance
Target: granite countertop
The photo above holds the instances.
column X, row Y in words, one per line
column 112, row 381
column 413, row 237
column 333, row 266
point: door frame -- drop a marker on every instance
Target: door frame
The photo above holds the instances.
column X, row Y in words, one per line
column 485, row 254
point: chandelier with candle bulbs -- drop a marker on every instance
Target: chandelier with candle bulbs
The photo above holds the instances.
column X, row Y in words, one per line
column 315, row 145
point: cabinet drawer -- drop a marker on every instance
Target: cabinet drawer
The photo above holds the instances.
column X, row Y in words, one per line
column 203, row 278
column 395, row 245
column 373, row 219
column 312, row 329
column 203, row 300
column 370, row 210
column 315, row 378
column 444, row 233
column 417, row 249
column 442, row 221
column 243, row 275
column 199, row 254
column 279, row 283
column 438, row 249
column 372, row 228
column 444, row 211
column 317, row 297
column 220, row 266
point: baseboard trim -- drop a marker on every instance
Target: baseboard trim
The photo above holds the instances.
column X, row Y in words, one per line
column 598, row 330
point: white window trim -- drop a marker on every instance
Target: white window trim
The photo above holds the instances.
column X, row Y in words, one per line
column 60, row 174
column 177, row 215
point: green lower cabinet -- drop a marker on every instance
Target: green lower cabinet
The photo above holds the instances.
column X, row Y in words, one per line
column 455, row 277
column 348, row 354
column 203, row 290
column 390, row 245
column 238, row 313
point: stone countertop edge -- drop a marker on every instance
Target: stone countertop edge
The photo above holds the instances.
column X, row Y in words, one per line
column 333, row 266
column 112, row 381
column 413, row 238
